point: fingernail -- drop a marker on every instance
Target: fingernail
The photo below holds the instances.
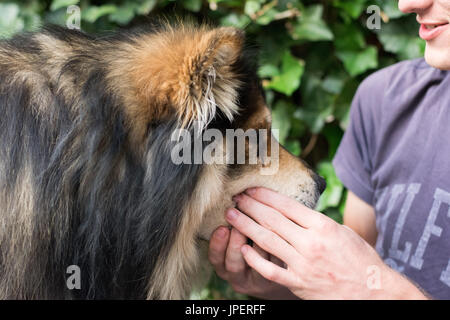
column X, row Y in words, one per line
column 237, row 197
column 250, row 191
column 244, row 249
column 232, row 214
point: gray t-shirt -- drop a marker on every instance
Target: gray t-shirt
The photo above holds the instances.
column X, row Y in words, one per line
column 395, row 155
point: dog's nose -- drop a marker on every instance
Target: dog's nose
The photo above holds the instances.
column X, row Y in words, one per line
column 321, row 183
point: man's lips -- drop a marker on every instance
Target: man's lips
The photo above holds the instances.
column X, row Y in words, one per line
column 430, row 31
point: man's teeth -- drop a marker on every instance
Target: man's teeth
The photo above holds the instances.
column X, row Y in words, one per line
column 432, row 26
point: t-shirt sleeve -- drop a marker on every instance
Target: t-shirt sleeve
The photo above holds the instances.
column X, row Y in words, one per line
column 353, row 159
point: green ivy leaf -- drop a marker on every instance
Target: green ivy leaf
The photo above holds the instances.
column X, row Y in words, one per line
column 310, row 26
column 251, row 7
column 400, row 37
column 331, row 197
column 267, row 17
column 333, row 83
column 281, row 120
column 146, row 6
column 348, row 37
column 317, row 103
column 273, row 44
column 31, row 15
column 192, row 5
column 353, row 8
column 58, row 4
column 315, row 117
column 293, row 146
column 10, row 21
column 268, row 70
column 390, row 8
column 291, row 72
column 334, row 213
column 235, row 20
column 93, row 13
column 333, row 134
column 124, row 14
column 357, row 62
column 343, row 101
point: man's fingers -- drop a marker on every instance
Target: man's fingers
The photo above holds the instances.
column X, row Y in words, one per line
column 234, row 261
column 267, row 269
column 270, row 219
column 277, row 261
column 217, row 250
column 269, row 257
column 289, row 207
column 267, row 240
column 261, row 252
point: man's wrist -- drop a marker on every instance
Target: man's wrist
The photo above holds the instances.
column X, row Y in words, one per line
column 395, row 286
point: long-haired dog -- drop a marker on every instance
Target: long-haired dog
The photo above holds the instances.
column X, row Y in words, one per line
column 87, row 176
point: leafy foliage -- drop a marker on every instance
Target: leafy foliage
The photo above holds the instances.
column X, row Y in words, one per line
column 313, row 55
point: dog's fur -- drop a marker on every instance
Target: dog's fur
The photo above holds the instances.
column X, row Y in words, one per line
column 86, row 176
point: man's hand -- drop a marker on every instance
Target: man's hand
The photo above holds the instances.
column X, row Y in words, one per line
column 324, row 259
column 226, row 257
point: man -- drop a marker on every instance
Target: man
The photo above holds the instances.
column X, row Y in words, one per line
column 395, row 161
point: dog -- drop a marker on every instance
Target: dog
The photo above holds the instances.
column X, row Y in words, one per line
column 87, row 176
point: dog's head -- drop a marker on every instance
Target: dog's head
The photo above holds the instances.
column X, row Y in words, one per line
column 207, row 79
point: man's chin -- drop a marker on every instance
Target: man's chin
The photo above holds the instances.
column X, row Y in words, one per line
column 437, row 57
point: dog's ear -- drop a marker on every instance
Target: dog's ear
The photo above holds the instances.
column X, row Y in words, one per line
column 208, row 80
column 186, row 68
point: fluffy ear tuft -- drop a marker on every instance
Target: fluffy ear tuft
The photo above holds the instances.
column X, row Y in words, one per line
column 185, row 67
column 207, row 79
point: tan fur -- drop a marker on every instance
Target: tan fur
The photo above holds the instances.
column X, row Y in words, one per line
column 13, row 227
column 176, row 273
